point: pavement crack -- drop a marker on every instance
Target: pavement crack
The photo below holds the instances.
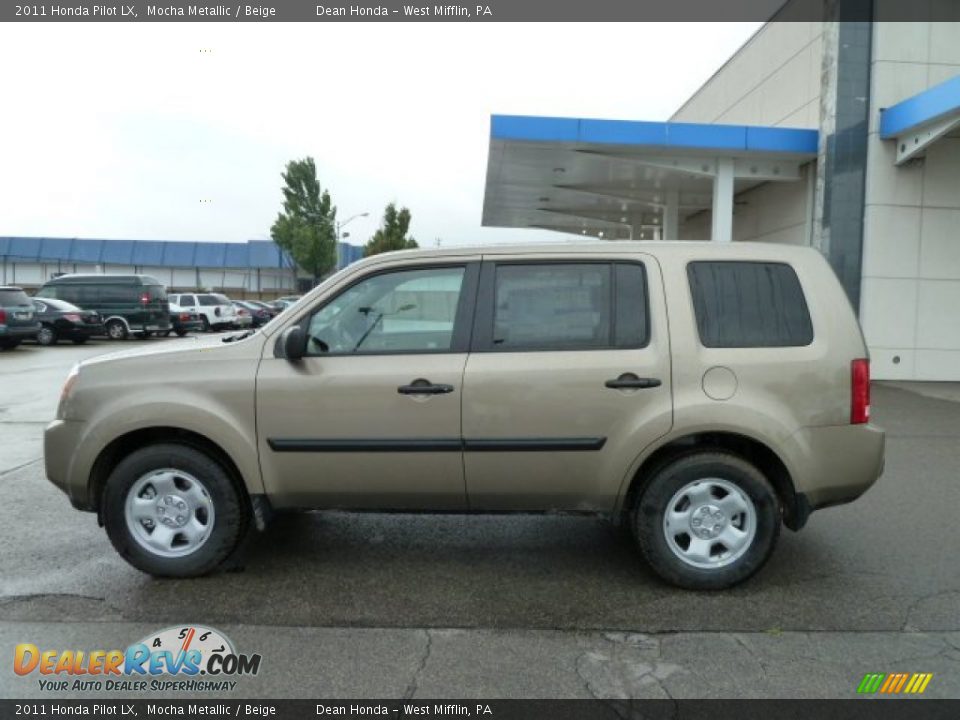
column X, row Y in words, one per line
column 905, row 627
column 577, row 667
column 20, row 467
column 415, row 680
column 753, row 655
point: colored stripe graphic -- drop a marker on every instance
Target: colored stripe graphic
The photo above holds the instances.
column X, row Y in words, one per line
column 871, row 682
column 894, row 683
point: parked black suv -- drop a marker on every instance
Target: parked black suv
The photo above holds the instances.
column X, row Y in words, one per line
column 127, row 303
column 17, row 320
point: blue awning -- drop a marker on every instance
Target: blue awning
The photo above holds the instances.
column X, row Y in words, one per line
column 621, row 179
column 918, row 122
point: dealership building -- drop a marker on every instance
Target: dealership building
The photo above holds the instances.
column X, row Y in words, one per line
column 844, row 136
column 256, row 268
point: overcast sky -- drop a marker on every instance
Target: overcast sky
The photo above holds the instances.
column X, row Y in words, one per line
column 120, row 130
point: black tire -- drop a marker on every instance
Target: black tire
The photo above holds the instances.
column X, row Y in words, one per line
column 46, row 336
column 180, row 333
column 80, row 340
column 231, row 513
column 667, row 480
column 8, row 344
column 165, row 333
column 117, row 330
column 206, row 323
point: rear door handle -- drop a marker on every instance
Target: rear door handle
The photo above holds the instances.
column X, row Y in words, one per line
column 631, row 381
column 420, row 386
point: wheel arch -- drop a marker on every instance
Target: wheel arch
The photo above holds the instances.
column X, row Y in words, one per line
column 121, row 318
column 766, row 460
column 111, row 455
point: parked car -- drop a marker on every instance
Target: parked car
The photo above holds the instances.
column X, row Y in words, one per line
column 60, row 320
column 259, row 315
column 183, row 322
column 17, row 321
column 127, row 303
column 243, row 318
column 215, row 310
column 266, row 306
column 281, row 304
column 702, row 394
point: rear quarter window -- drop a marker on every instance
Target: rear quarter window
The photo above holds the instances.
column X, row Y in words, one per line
column 749, row 304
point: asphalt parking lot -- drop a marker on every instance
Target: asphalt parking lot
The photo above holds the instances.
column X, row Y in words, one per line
column 547, row 606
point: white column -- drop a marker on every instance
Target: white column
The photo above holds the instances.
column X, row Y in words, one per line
column 671, row 216
column 722, row 211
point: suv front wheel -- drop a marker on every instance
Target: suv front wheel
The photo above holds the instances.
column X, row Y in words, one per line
column 173, row 511
column 707, row 520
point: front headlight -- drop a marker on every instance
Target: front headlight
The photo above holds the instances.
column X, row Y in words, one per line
column 67, row 390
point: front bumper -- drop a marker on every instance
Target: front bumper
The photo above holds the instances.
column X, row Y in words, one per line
column 60, row 441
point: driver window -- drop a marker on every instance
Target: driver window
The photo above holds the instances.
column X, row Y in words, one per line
column 403, row 311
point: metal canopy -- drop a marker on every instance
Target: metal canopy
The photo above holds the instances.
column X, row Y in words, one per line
column 919, row 121
column 630, row 180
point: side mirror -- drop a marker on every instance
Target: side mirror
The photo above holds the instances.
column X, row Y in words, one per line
column 294, row 346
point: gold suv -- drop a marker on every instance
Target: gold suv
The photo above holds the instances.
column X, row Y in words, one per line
column 702, row 394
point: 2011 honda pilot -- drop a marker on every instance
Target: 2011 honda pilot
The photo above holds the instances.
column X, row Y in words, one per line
column 703, row 394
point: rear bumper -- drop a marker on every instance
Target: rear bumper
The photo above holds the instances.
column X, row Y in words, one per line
column 193, row 325
column 20, row 332
column 841, row 464
column 81, row 331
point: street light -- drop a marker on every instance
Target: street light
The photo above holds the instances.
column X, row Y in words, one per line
column 341, row 225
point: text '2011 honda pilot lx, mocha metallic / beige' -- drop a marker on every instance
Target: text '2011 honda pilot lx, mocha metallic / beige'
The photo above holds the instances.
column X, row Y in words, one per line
column 700, row 393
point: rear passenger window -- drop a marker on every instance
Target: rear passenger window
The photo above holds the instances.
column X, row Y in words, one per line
column 569, row 306
column 749, row 304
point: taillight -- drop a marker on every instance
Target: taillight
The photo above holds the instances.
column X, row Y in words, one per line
column 72, row 317
column 859, row 391
column 3, row 316
column 184, row 317
column 145, row 298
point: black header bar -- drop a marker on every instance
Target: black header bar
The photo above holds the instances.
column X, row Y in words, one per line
column 474, row 11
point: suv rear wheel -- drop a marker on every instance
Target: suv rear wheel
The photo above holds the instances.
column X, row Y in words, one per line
column 173, row 511
column 116, row 330
column 707, row 520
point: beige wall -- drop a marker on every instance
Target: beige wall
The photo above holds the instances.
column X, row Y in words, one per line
column 911, row 254
column 777, row 212
column 773, row 80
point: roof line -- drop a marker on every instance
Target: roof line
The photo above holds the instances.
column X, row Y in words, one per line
column 675, row 135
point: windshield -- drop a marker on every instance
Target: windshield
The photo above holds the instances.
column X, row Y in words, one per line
column 13, row 297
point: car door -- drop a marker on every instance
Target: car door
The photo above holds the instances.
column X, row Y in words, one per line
column 567, row 381
column 370, row 417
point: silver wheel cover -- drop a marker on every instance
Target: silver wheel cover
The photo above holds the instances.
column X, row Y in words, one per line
column 169, row 513
column 710, row 523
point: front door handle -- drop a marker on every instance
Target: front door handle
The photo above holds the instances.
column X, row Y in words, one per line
column 421, row 386
column 631, row 381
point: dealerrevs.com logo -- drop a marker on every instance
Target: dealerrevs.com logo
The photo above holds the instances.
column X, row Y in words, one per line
column 181, row 658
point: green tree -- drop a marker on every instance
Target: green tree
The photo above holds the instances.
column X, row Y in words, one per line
column 392, row 234
column 305, row 228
